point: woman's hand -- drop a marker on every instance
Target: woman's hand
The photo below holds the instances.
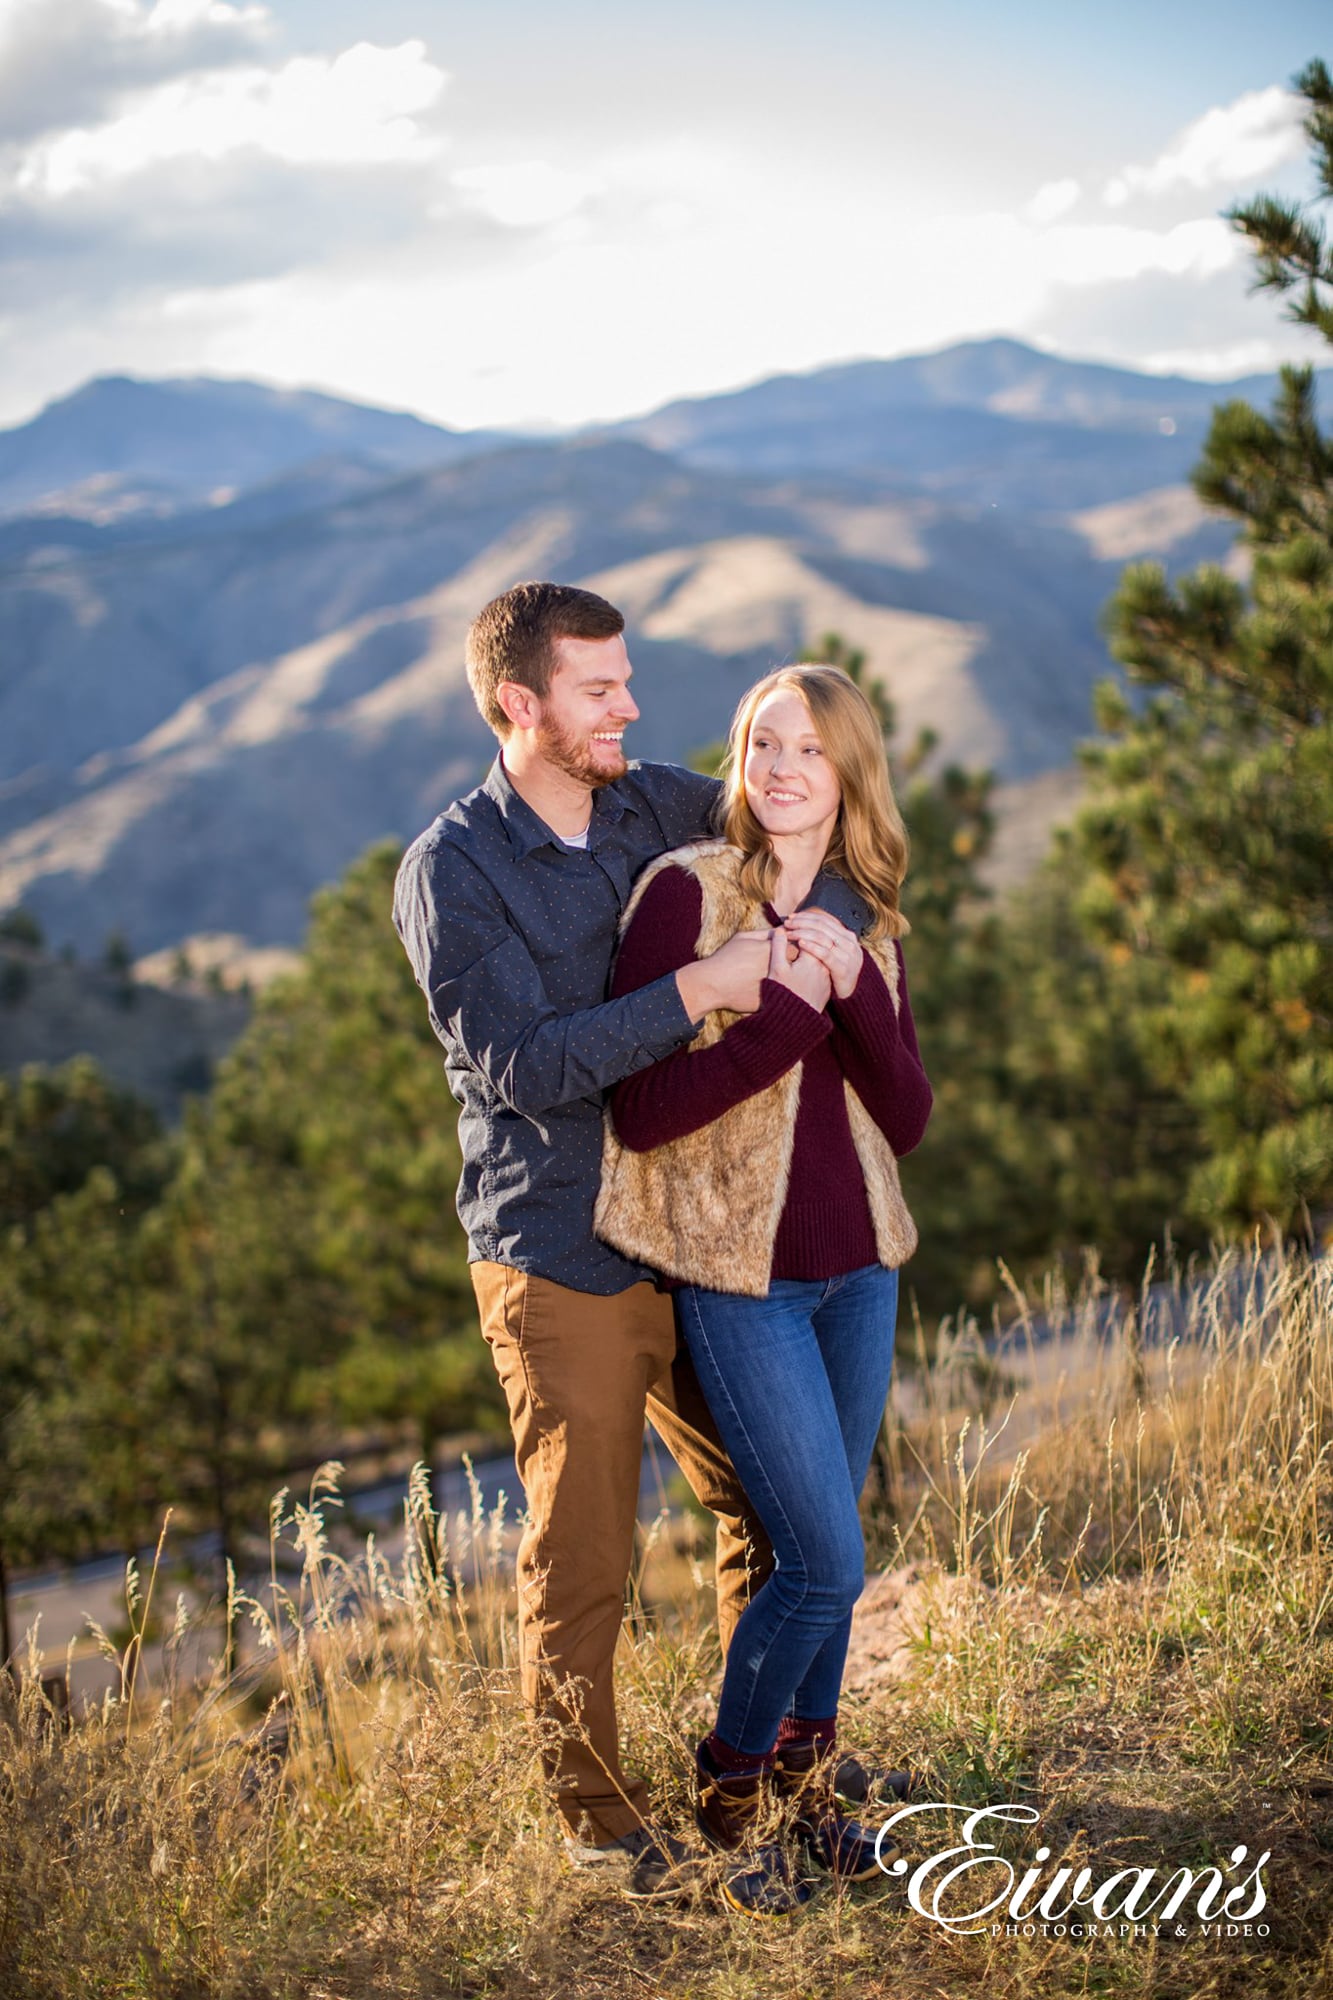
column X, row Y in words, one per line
column 805, row 975
column 838, row 949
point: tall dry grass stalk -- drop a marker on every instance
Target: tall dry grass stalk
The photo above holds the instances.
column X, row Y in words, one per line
column 1110, row 1596
column 1154, row 1470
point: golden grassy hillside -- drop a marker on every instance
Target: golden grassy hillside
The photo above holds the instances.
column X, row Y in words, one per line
column 1108, row 1599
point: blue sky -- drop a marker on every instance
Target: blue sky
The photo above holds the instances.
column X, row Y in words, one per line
column 523, row 214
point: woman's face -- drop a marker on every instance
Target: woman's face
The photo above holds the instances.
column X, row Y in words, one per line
column 791, row 786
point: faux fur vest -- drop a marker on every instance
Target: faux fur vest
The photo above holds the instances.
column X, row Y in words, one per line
column 705, row 1209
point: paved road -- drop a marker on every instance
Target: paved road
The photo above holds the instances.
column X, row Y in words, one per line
column 61, row 1602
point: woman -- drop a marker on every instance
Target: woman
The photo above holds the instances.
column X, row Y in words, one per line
column 757, row 1171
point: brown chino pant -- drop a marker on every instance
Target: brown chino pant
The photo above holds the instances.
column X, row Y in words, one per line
column 579, row 1372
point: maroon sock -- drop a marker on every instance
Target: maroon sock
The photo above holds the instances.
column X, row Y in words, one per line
column 738, row 1762
column 807, row 1729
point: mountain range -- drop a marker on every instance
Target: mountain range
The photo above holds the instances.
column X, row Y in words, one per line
column 231, row 618
column 120, row 446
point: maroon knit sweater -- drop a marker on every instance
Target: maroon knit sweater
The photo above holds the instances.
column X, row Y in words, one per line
column 825, row 1226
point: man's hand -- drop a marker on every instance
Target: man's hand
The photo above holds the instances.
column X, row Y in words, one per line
column 805, row 975
column 730, row 977
column 824, row 938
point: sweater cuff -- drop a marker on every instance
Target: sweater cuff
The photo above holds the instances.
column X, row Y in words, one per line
column 783, row 1032
column 869, row 1007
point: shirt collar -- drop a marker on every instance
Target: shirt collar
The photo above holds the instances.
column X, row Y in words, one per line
column 527, row 830
column 834, row 893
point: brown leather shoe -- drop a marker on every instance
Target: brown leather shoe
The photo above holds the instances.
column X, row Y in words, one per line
column 655, row 1866
column 805, row 1773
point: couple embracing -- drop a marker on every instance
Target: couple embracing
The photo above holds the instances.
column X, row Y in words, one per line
column 675, row 1017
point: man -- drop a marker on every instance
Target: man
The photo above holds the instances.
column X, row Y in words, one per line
column 508, row 906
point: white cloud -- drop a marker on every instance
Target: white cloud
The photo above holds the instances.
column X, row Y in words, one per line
column 1228, row 146
column 1093, row 254
column 525, row 194
column 1212, row 326
column 308, row 220
column 1052, row 200
column 66, row 62
column 660, row 295
column 225, row 175
column 1222, row 364
column 361, row 106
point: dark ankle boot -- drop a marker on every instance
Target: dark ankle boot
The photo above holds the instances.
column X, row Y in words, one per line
column 803, row 1774
column 729, row 1806
column 872, row 1785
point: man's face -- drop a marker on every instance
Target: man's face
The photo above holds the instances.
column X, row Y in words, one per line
column 586, row 709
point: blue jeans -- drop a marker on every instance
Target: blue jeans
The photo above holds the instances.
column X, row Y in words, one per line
column 797, row 1384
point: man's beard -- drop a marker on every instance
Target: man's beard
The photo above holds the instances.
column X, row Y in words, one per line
column 575, row 756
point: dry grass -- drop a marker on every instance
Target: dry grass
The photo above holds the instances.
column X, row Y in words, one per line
column 1116, row 1606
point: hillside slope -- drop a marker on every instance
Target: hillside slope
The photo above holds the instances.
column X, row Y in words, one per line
column 257, row 774
column 205, row 715
column 162, row 1044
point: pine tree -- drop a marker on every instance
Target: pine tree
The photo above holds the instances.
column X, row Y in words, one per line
column 1209, row 839
column 80, row 1162
column 334, row 1091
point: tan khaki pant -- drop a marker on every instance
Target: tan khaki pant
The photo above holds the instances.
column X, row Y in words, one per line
column 579, row 1371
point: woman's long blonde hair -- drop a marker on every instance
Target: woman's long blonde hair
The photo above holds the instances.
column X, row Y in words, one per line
column 868, row 845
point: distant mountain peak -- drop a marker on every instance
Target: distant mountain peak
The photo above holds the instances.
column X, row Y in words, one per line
column 196, row 435
column 906, row 415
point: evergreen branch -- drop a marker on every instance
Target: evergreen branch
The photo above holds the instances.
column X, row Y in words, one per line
column 1316, row 86
column 1288, row 246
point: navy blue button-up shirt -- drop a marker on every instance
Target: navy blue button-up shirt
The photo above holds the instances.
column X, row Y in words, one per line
column 511, row 934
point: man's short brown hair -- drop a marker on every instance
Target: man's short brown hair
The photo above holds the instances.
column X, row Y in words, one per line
column 513, row 639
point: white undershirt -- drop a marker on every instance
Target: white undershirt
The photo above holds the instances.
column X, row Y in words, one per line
column 575, row 839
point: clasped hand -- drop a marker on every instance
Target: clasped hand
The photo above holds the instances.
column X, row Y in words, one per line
column 811, row 953
column 800, row 970
column 820, row 936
